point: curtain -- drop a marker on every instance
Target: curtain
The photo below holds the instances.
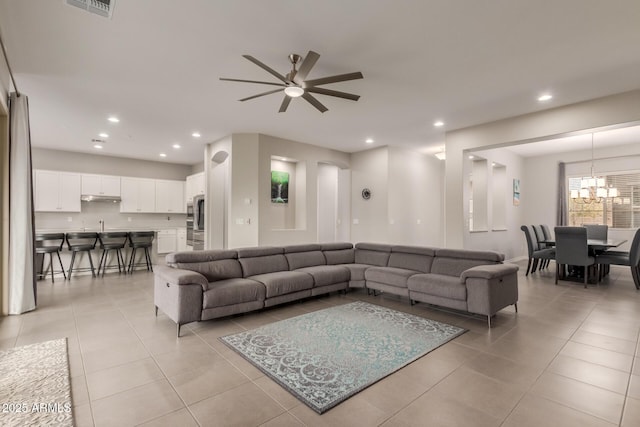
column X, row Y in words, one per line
column 561, row 218
column 22, row 276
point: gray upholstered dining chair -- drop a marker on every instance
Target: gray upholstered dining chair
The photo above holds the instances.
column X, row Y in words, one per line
column 572, row 249
column 535, row 254
column 631, row 259
column 540, row 238
column 597, row 231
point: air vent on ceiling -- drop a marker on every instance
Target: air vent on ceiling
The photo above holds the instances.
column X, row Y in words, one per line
column 99, row 7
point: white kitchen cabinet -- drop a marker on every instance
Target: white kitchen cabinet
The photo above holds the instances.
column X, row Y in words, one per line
column 170, row 196
column 100, row 185
column 57, row 191
column 194, row 186
column 181, row 240
column 166, row 241
column 138, row 195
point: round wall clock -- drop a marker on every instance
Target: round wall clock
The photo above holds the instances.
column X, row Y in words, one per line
column 366, row 193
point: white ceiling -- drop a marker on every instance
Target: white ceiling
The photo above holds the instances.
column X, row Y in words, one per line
column 156, row 65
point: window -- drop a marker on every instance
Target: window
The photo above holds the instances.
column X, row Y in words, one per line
column 617, row 212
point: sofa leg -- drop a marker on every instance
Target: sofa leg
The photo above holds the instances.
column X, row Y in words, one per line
column 516, row 306
column 178, row 330
column 156, row 311
column 489, row 320
column 412, row 302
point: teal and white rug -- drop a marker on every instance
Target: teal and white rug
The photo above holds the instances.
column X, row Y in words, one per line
column 327, row 356
column 34, row 385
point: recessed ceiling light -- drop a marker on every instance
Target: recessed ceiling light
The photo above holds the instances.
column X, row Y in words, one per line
column 103, row 135
column 113, row 119
column 545, row 97
column 441, row 155
column 369, row 141
column 176, row 146
column 471, row 157
column 196, row 135
column 98, row 146
column 438, row 123
column 163, row 155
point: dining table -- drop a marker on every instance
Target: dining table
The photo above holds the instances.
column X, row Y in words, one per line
column 595, row 246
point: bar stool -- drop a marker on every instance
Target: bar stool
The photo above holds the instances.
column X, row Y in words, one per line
column 112, row 241
column 47, row 243
column 140, row 240
column 81, row 242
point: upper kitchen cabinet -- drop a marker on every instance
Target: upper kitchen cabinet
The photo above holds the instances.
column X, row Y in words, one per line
column 170, row 196
column 138, row 195
column 195, row 186
column 100, row 185
column 57, row 191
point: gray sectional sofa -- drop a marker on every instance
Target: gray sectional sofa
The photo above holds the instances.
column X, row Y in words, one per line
column 202, row 285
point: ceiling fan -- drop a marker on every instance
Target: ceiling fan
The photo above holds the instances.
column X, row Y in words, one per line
column 294, row 83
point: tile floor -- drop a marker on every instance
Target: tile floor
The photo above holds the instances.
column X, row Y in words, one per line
column 570, row 357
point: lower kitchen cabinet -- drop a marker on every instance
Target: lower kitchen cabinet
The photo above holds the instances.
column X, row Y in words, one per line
column 167, row 241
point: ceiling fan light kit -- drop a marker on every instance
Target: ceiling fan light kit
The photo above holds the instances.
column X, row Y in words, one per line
column 295, row 83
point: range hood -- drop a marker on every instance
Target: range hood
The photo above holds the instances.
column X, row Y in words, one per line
column 97, row 198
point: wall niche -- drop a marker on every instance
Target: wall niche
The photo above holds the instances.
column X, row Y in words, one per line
column 287, row 209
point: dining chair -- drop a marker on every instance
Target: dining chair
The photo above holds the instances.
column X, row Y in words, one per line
column 539, row 233
column 630, row 259
column 50, row 243
column 535, row 254
column 572, row 249
column 597, row 231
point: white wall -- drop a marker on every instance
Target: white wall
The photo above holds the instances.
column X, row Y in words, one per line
column 370, row 218
column 504, row 236
column 327, row 202
column 607, row 111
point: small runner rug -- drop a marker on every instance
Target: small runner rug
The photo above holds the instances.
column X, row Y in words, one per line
column 327, row 356
column 34, row 385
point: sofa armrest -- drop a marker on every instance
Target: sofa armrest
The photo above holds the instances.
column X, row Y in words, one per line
column 488, row 272
column 177, row 276
column 490, row 288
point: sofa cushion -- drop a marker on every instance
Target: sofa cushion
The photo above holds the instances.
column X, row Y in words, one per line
column 372, row 254
column 325, row 275
column 338, row 253
column 412, row 258
column 356, row 271
column 300, row 256
column 439, row 285
column 262, row 260
column 452, row 262
column 212, row 264
column 232, row 291
column 199, row 256
column 389, row 275
column 284, row 282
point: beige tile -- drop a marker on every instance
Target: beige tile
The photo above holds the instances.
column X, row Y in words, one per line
column 605, row 342
column 634, row 387
column 616, row 330
column 115, row 355
column 590, row 373
column 581, row 396
column 534, row 411
column 393, row 393
column 119, row 378
column 79, row 393
column 243, row 405
column 352, row 412
column 599, row 356
column 82, row 416
column 277, row 393
column 435, row 410
column 136, row 405
column 210, row 380
column 184, row 360
column 631, row 417
column 76, row 366
column 505, row 370
column 284, row 420
column 182, row 418
column 480, row 392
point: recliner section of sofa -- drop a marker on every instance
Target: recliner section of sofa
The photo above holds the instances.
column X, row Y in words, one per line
column 204, row 285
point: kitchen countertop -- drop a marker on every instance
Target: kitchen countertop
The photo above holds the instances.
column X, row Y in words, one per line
column 97, row 230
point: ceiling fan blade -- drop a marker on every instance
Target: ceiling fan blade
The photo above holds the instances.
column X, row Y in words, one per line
column 285, row 104
column 260, row 94
column 314, row 102
column 330, row 92
column 252, row 81
column 333, row 79
column 266, row 68
column 306, row 66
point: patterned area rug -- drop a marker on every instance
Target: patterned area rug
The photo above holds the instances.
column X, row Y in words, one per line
column 327, row 356
column 34, row 385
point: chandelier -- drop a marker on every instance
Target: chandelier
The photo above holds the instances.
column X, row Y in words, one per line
column 593, row 189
